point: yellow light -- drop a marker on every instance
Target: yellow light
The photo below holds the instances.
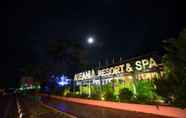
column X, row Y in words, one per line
column 102, row 98
column 130, row 77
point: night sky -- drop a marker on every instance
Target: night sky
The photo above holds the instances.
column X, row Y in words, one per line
column 124, row 28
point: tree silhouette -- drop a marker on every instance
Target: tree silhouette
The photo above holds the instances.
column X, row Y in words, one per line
column 174, row 84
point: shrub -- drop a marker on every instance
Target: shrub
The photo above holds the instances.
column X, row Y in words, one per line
column 109, row 96
column 66, row 91
column 125, row 94
column 146, row 89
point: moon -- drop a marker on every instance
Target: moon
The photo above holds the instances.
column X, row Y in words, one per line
column 90, row 40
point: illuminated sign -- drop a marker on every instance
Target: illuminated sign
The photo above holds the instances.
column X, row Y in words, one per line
column 63, row 80
column 138, row 65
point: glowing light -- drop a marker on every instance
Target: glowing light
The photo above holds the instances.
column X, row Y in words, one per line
column 90, row 40
column 29, row 87
column 102, row 98
column 21, row 88
column 38, row 86
column 63, row 80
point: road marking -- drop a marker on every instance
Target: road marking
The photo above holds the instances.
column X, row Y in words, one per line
column 19, row 108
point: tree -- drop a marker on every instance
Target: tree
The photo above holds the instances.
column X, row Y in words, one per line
column 174, row 84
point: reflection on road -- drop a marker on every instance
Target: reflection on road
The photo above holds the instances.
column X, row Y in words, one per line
column 86, row 111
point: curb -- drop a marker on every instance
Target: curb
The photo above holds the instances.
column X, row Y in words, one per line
column 149, row 109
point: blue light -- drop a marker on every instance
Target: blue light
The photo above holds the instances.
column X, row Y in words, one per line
column 62, row 80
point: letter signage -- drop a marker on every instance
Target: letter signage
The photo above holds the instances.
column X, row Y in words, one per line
column 138, row 65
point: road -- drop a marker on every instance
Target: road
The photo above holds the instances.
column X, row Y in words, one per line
column 33, row 108
column 8, row 109
column 8, row 106
column 87, row 111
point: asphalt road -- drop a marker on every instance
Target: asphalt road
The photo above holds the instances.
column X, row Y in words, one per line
column 8, row 109
column 87, row 111
column 8, row 106
column 32, row 108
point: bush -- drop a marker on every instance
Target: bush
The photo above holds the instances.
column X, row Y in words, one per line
column 83, row 95
column 142, row 99
column 109, row 96
column 125, row 94
column 145, row 91
column 65, row 91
